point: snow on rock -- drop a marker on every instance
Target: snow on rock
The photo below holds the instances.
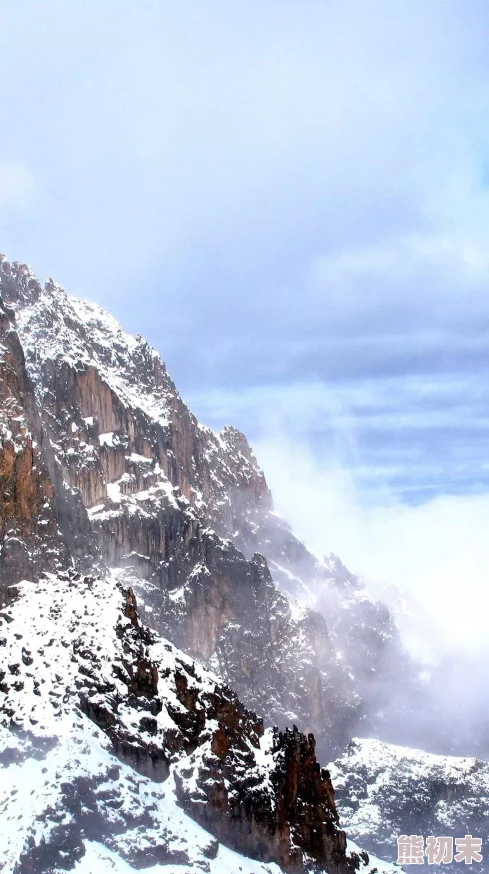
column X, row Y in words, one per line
column 165, row 494
column 30, row 536
column 107, row 731
column 186, row 515
column 384, row 791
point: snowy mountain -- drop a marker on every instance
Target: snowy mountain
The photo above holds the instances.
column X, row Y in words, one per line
column 143, row 576
column 384, row 791
column 115, row 746
column 109, row 486
column 187, row 510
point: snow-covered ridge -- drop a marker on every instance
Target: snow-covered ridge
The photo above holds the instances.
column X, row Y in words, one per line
column 171, row 500
column 71, row 652
column 81, row 336
column 72, row 801
column 384, row 790
column 163, row 493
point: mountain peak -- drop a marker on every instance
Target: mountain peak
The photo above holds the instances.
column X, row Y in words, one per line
column 121, row 508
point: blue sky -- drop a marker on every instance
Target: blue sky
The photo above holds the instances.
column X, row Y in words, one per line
column 288, row 199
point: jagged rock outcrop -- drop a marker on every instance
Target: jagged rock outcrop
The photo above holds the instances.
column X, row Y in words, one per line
column 103, row 467
column 127, row 741
column 155, row 481
column 172, row 501
column 87, row 686
column 93, row 379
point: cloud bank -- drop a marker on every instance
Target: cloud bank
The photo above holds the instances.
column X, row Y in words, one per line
column 435, row 553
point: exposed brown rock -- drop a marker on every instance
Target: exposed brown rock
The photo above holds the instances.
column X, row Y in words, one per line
column 29, row 536
column 292, row 820
column 130, row 609
column 228, row 611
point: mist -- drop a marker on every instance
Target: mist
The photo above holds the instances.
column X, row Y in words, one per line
column 436, row 552
column 428, row 562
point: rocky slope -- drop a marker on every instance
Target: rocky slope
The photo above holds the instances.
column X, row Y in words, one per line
column 181, row 507
column 104, row 470
column 109, row 736
column 385, row 791
column 30, row 538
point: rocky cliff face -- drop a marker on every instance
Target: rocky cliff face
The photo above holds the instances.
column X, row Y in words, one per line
column 30, row 539
column 103, row 469
column 108, row 733
column 180, row 507
column 103, row 465
column 189, row 511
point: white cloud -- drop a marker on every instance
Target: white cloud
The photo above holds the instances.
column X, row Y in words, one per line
column 437, row 552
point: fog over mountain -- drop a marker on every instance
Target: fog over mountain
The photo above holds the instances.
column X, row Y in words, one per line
column 130, row 531
column 244, row 480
